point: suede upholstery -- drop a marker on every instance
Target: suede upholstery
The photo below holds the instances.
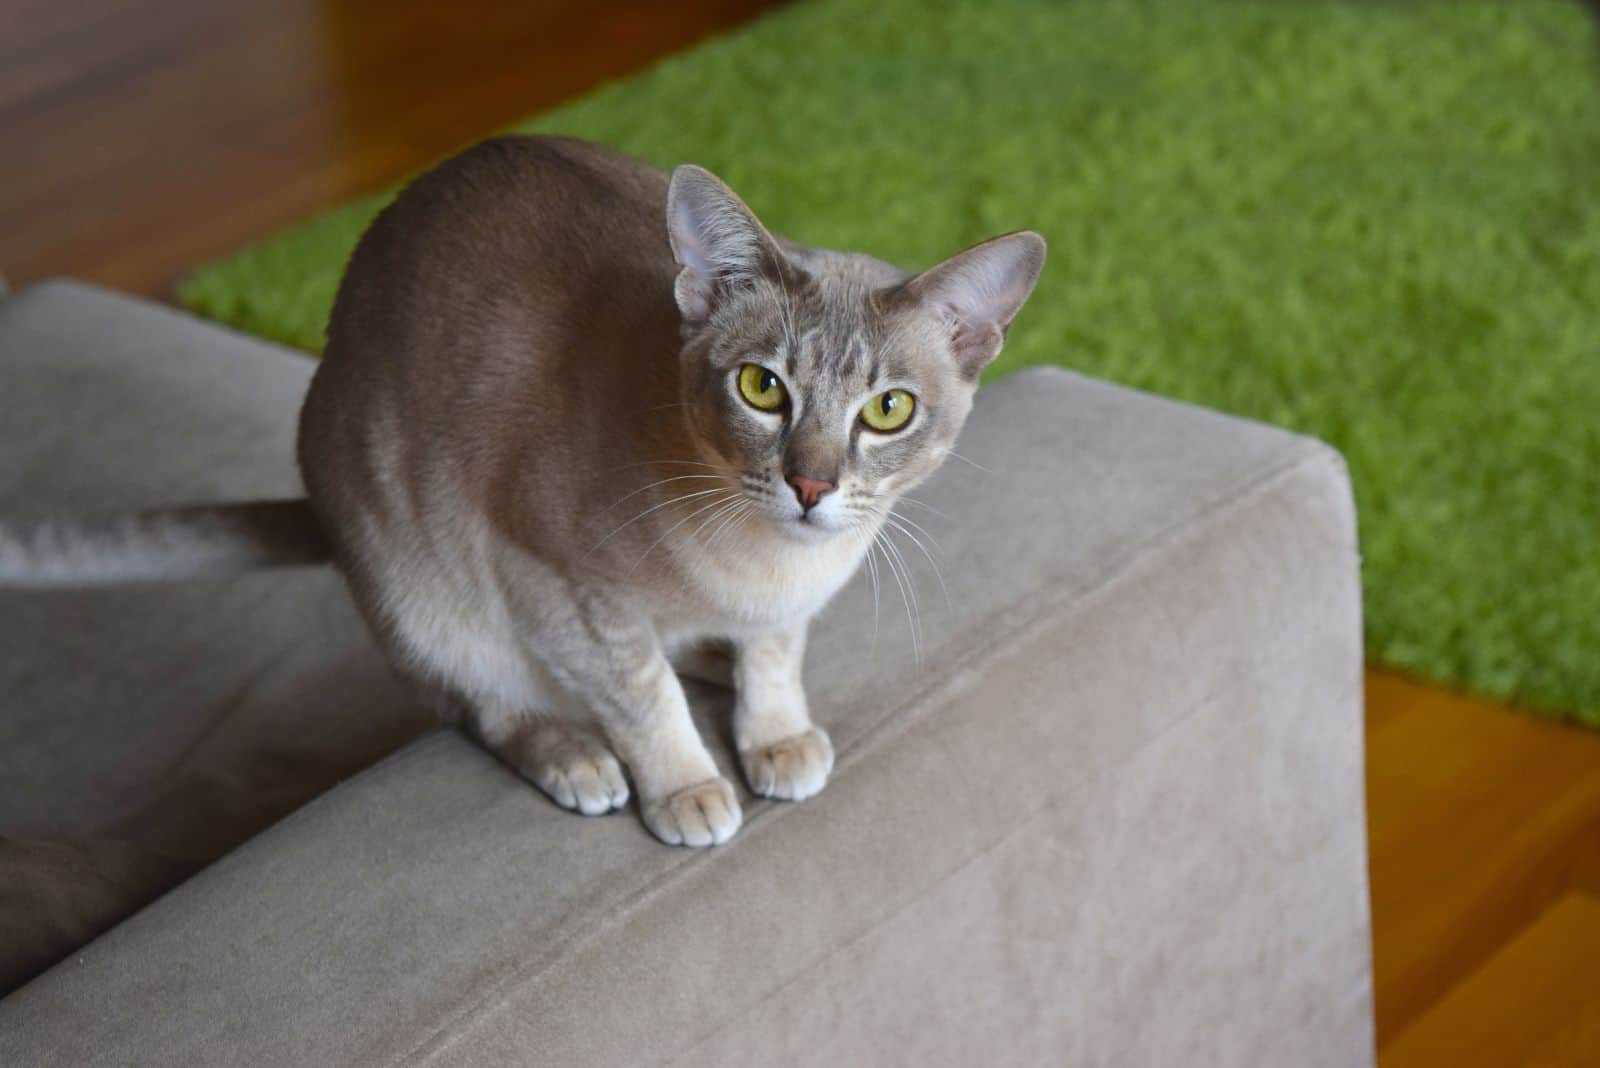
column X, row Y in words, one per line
column 1113, row 815
column 148, row 730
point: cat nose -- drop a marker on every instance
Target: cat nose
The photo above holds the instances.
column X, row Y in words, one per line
column 808, row 491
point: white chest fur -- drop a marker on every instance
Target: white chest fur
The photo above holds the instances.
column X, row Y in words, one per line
column 763, row 578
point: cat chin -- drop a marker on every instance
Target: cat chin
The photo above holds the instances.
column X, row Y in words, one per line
column 809, row 531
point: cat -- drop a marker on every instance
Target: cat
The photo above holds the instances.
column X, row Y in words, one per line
column 579, row 421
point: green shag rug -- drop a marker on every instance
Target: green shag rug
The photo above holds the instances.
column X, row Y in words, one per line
column 1378, row 223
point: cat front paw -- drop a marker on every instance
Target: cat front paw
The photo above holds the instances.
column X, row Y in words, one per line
column 704, row 814
column 575, row 769
column 792, row 769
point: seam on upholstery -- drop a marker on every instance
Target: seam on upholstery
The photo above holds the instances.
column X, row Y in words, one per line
column 1077, row 595
column 412, row 751
column 1260, row 660
column 225, row 864
column 1007, row 629
column 1024, row 824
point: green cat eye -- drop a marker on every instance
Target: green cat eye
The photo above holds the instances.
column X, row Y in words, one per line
column 888, row 411
column 761, row 388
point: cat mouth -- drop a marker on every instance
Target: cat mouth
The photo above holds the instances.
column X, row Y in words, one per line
column 802, row 529
column 812, row 525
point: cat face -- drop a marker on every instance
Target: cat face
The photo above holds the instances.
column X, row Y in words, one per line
column 829, row 383
column 826, row 399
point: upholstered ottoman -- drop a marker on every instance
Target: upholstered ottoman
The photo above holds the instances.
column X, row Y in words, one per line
column 1112, row 815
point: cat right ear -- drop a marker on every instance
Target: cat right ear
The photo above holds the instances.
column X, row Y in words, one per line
column 718, row 242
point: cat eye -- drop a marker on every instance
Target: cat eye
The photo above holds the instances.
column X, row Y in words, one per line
column 888, row 411
column 761, row 388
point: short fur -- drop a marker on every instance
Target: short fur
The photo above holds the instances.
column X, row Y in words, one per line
column 161, row 545
column 529, row 453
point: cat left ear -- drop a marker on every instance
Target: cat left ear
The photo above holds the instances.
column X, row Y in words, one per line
column 978, row 292
column 718, row 241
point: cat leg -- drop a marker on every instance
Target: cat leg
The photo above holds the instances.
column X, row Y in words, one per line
column 785, row 755
column 611, row 661
column 519, row 714
column 706, row 660
column 565, row 759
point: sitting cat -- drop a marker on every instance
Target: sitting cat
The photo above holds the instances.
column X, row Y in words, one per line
column 576, row 420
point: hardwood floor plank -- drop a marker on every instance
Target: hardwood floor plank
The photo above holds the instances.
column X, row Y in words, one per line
column 1389, row 696
column 1535, row 1000
column 158, row 134
column 1478, row 821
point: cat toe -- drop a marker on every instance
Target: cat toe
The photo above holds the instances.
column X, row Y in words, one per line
column 580, row 774
column 701, row 815
column 792, row 769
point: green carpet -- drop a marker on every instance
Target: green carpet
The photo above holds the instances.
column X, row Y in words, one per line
column 1378, row 223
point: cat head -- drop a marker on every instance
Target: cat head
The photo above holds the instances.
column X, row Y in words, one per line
column 828, row 382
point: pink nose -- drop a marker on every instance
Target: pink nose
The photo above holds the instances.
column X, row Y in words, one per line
column 810, row 490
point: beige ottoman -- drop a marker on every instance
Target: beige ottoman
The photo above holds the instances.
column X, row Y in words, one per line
column 1112, row 817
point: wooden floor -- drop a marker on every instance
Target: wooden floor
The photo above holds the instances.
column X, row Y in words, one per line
column 1485, row 846
column 142, row 137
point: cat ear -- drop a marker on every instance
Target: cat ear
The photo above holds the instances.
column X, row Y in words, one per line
column 978, row 292
column 716, row 239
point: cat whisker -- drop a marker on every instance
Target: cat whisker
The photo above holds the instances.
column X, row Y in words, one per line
column 894, row 520
column 925, row 505
column 907, row 597
column 872, row 571
column 725, row 520
column 893, row 548
column 665, row 463
column 654, row 508
column 965, row 460
column 653, row 485
column 717, row 513
column 713, row 522
column 740, row 517
column 914, row 525
column 673, row 529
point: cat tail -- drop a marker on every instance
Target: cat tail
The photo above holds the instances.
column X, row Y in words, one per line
column 166, row 545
